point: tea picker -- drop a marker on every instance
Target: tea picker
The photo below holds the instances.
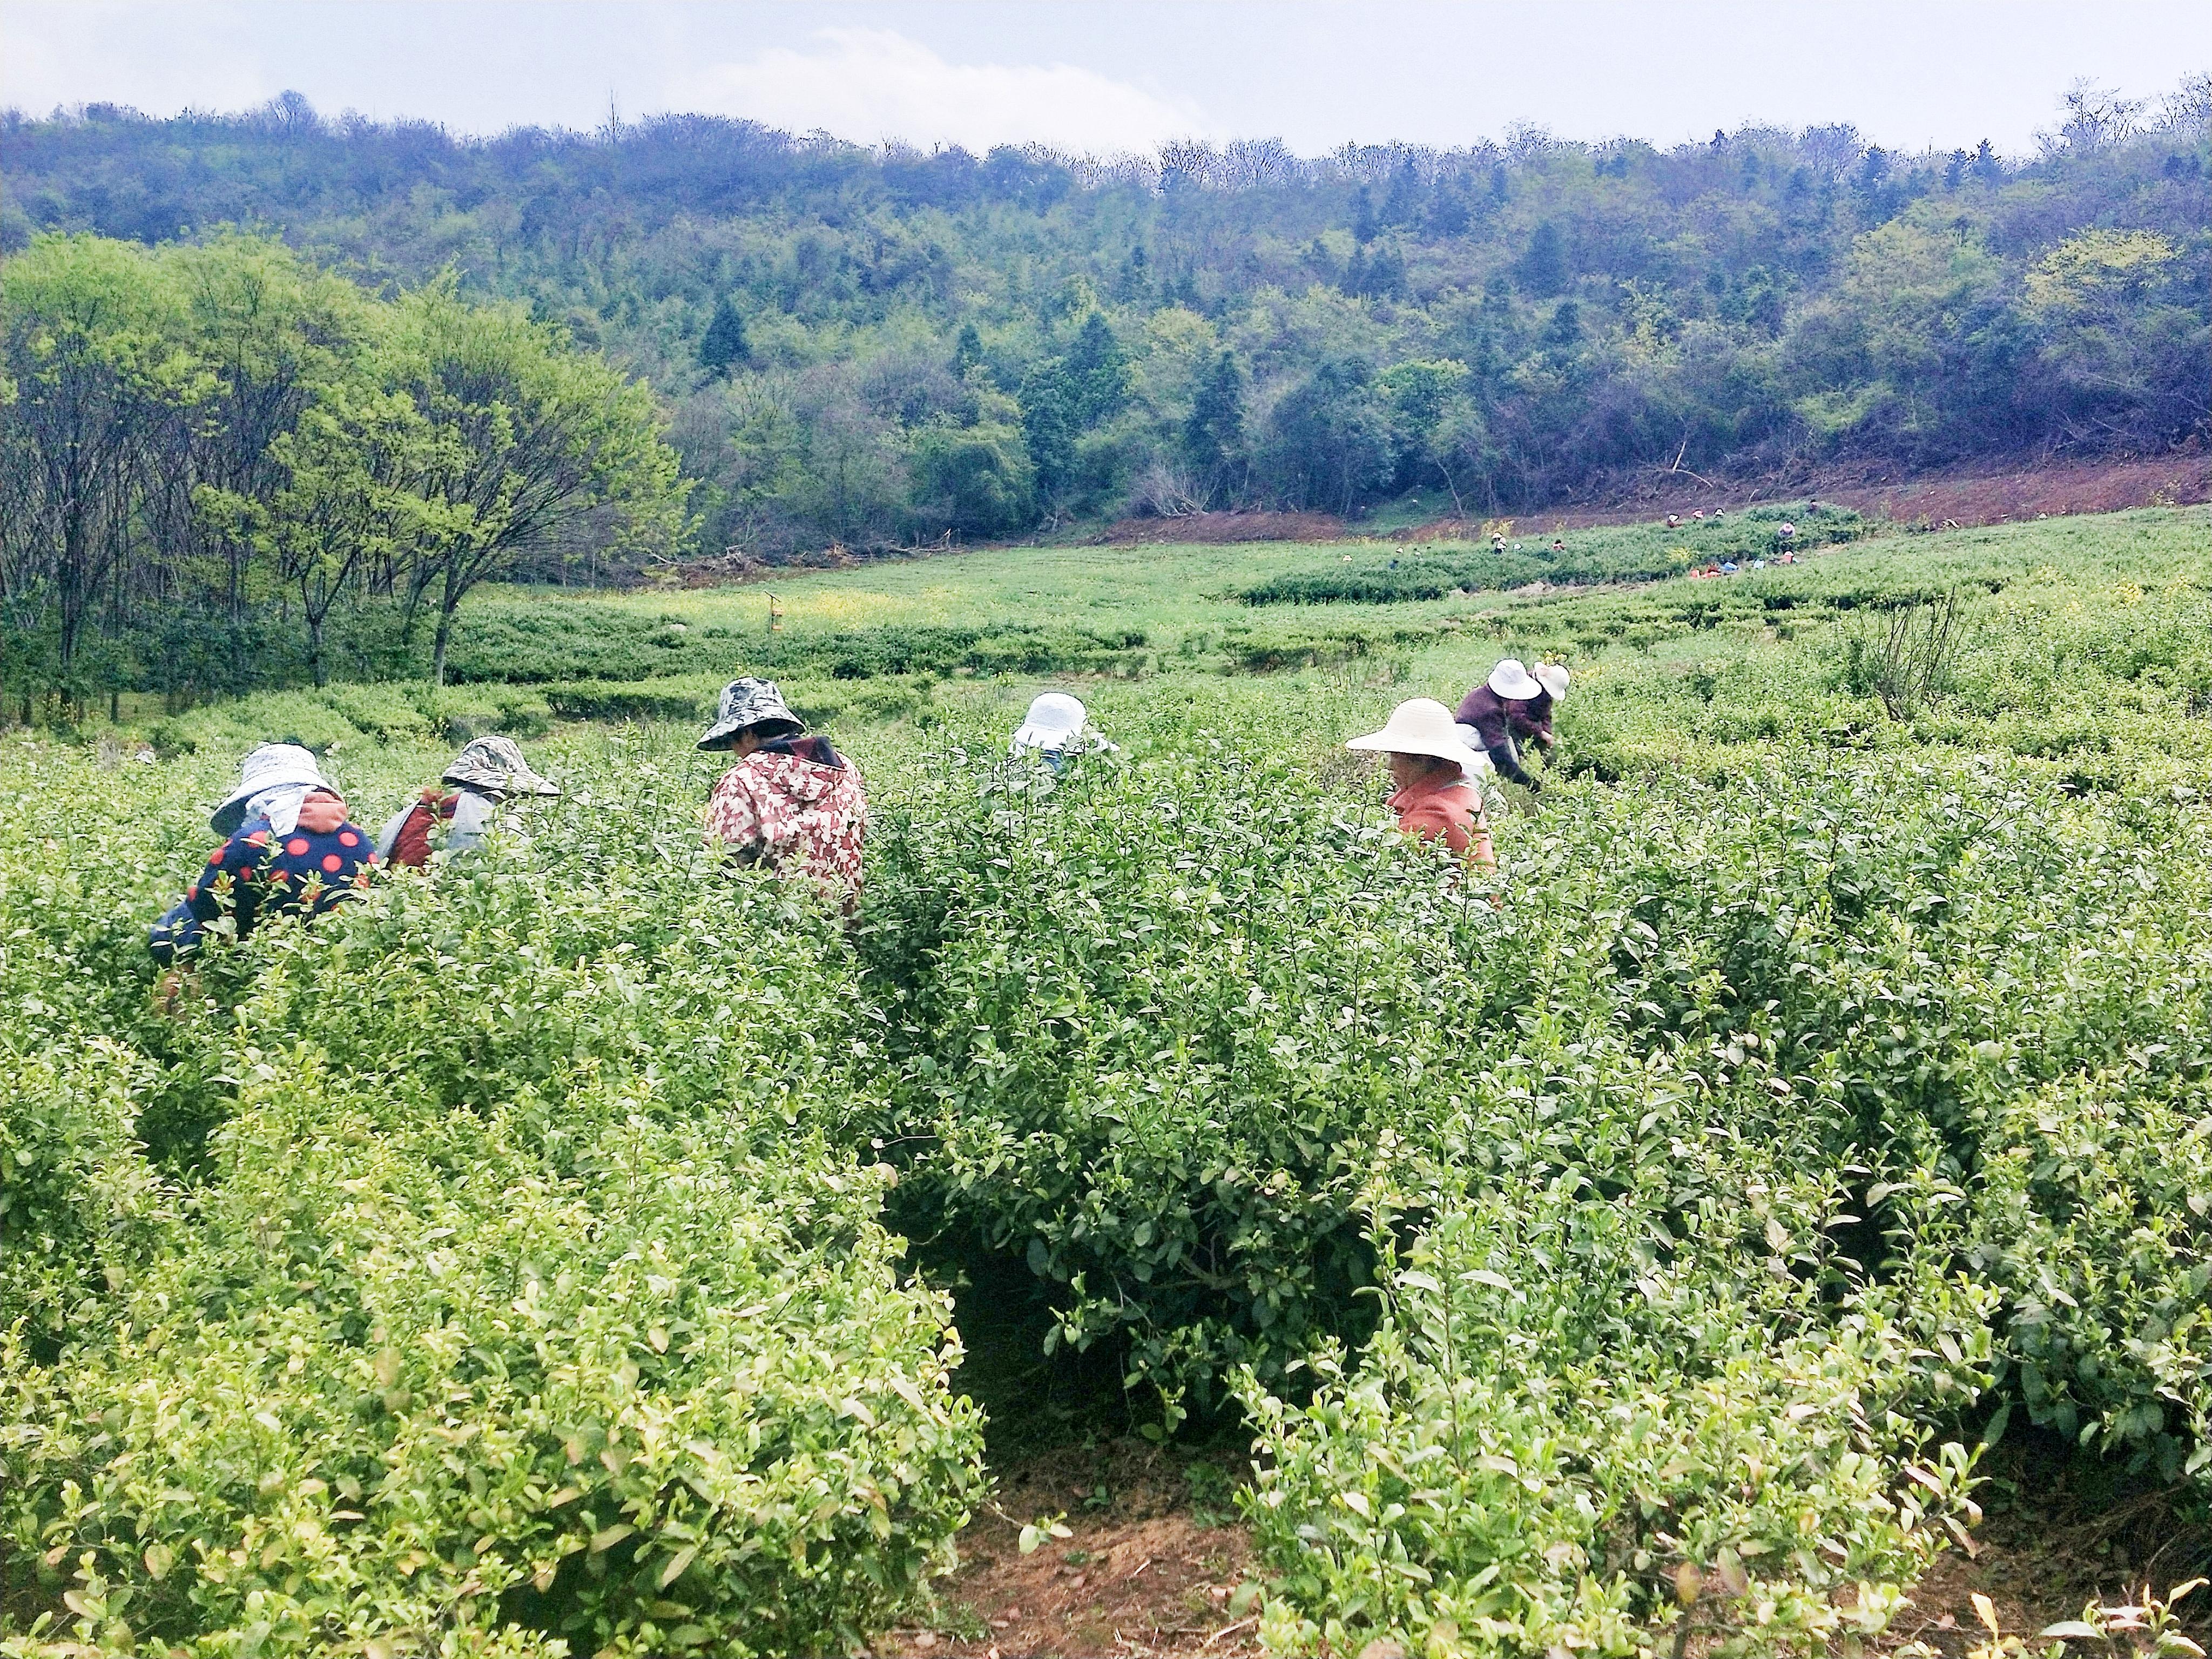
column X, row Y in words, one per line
column 1512, row 705
column 1432, row 793
column 1056, row 727
column 465, row 801
column 289, row 850
column 791, row 802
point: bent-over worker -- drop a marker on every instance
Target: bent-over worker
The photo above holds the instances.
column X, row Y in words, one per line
column 487, row 773
column 1431, row 792
column 1512, row 705
column 792, row 802
column 289, row 850
column 1056, row 728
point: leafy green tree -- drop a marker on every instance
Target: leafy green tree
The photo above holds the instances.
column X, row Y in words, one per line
column 1329, row 443
column 723, row 346
column 93, row 336
column 976, row 480
column 1429, row 417
column 967, row 351
column 528, row 440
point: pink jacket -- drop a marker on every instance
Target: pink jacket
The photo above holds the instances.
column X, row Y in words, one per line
column 797, row 807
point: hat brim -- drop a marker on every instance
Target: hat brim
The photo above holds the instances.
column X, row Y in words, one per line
column 719, row 735
column 506, row 784
column 1516, row 690
column 226, row 818
column 1045, row 737
column 1386, row 742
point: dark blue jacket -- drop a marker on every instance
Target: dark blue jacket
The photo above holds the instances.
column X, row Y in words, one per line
column 256, row 872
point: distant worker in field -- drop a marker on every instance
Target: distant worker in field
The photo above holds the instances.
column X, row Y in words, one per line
column 464, row 803
column 290, row 850
column 1056, row 729
column 791, row 803
column 1558, row 543
column 1512, row 706
column 1432, row 792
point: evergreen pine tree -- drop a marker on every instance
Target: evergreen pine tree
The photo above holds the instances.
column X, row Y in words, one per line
column 967, row 351
column 723, row 346
column 1048, row 425
column 1213, row 435
column 1099, row 370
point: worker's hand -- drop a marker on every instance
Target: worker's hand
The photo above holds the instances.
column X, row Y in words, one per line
column 1535, row 786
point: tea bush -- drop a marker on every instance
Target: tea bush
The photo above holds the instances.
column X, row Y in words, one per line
column 1612, row 553
column 516, row 1290
column 544, row 641
column 1164, row 1023
column 1628, row 1251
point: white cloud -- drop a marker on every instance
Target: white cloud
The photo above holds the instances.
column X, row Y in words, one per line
column 871, row 85
column 160, row 61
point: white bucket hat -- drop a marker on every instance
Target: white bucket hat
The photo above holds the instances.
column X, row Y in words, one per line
column 1421, row 726
column 1513, row 681
column 495, row 765
column 1055, row 719
column 272, row 766
column 747, row 703
column 1553, row 676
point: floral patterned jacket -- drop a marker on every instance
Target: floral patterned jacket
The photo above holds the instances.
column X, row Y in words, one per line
column 795, row 806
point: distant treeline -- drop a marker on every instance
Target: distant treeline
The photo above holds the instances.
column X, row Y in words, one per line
column 872, row 347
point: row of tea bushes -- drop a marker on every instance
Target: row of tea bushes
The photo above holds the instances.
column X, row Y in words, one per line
column 512, row 1298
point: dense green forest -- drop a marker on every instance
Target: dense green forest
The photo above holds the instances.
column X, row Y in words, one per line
column 280, row 390
column 873, row 347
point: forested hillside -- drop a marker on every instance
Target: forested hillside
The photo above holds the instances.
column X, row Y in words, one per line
column 877, row 347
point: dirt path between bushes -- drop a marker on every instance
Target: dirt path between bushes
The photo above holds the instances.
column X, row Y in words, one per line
column 1156, row 1567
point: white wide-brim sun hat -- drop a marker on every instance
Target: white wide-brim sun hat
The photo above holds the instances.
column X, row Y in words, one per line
column 1553, row 678
column 1421, row 726
column 269, row 766
column 1513, row 681
column 1055, row 719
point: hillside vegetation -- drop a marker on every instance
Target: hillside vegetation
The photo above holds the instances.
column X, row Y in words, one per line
column 876, row 348
column 1631, row 1250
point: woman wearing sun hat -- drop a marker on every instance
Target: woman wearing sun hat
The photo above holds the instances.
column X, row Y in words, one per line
column 1431, row 792
column 487, row 773
column 1056, row 726
column 1511, row 704
column 290, row 851
column 792, row 802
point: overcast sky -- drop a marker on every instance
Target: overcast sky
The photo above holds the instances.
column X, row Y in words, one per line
column 1108, row 74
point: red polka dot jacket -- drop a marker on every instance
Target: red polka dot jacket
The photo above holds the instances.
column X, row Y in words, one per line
column 325, row 858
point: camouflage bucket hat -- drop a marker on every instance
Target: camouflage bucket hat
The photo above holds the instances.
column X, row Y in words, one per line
column 747, row 703
column 496, row 766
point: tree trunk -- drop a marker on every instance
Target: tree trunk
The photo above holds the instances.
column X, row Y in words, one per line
column 315, row 668
column 438, row 647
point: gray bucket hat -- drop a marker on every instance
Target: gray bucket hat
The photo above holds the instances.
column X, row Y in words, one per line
column 495, row 765
column 748, row 704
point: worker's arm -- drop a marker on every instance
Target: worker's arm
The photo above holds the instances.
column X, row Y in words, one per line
column 1509, row 766
column 734, row 817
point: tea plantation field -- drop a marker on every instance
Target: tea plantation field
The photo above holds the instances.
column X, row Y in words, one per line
column 558, row 1253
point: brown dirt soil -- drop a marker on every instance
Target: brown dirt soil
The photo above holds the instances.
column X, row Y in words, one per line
column 2049, row 491
column 1143, row 1573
